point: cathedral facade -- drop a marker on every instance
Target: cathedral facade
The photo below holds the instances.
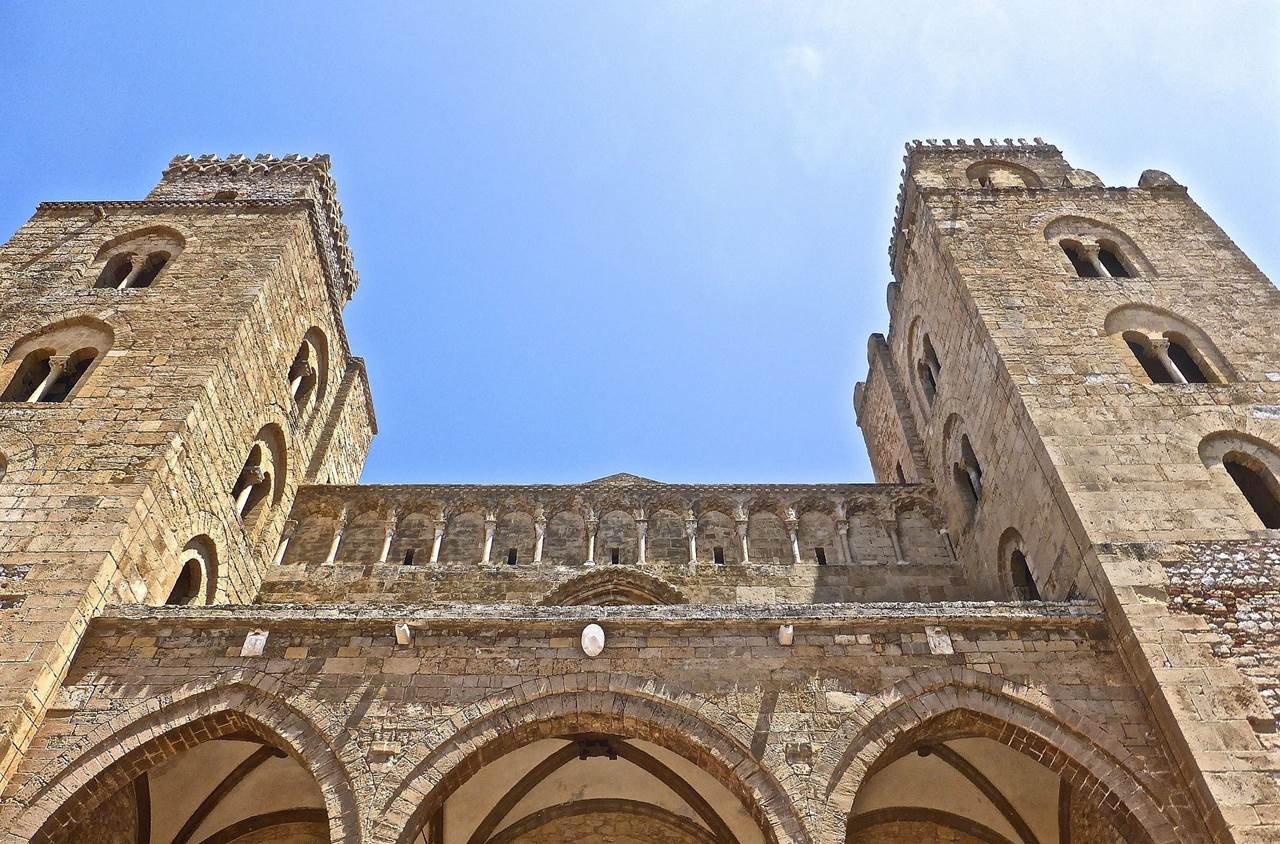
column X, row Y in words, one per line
column 1052, row 619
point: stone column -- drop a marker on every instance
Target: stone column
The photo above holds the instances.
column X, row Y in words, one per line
column 1091, row 253
column 591, row 523
column 793, row 531
column 490, row 524
column 742, row 520
column 438, row 541
column 891, row 528
column 252, row 476
column 540, row 536
column 1160, row 345
column 392, row 519
column 301, row 371
column 339, row 526
column 57, row 366
column 842, row 531
column 136, row 263
column 691, row 531
column 290, row 527
column 642, row 539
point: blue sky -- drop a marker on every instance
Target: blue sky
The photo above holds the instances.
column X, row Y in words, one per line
column 648, row 237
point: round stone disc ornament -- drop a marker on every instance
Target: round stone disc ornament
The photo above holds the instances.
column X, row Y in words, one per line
column 592, row 640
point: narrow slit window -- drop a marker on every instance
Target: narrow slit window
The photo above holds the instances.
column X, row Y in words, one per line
column 717, row 554
column 821, row 554
column 614, row 556
column 408, row 557
column 511, row 556
column 902, row 477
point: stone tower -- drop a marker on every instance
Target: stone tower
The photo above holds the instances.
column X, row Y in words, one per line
column 1050, row 621
column 1091, row 378
column 165, row 358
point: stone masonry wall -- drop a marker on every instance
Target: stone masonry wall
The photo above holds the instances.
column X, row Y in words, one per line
column 799, row 708
column 1064, row 414
column 141, row 458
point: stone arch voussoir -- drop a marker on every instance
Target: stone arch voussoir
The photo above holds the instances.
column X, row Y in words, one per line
column 1084, row 750
column 644, row 708
column 167, row 724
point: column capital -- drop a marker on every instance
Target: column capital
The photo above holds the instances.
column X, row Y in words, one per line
column 290, row 528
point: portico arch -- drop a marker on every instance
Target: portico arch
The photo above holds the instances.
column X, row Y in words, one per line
column 139, row 742
column 637, row 713
column 940, row 707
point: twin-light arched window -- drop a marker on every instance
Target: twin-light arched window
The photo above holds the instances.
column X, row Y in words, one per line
column 135, row 260
column 50, row 365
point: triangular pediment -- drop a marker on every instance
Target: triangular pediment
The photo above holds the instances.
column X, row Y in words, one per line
column 621, row 479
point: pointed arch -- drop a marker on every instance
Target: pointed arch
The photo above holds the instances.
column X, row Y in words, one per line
column 1060, row 738
column 139, row 740
column 583, row 704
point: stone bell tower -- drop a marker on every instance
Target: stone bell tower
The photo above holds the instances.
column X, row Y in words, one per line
column 174, row 369
column 1091, row 377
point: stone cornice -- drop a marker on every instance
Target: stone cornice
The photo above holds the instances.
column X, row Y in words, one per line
column 827, row 616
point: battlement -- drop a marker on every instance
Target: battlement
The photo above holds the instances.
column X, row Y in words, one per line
column 978, row 165
column 238, row 178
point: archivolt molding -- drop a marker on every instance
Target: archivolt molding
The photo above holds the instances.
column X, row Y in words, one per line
column 851, row 754
column 579, row 590
column 576, row 703
column 299, row 724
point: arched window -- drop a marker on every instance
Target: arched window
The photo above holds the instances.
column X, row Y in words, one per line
column 1257, row 484
column 1001, row 174
column 1096, row 249
column 1170, row 349
column 261, row 480
column 1079, row 261
column 1024, row 585
column 1180, row 353
column 1140, row 345
column 309, row 371
column 967, row 474
column 1109, row 257
column 136, row 259
column 929, row 369
column 1253, row 466
column 197, row 575
column 49, row 365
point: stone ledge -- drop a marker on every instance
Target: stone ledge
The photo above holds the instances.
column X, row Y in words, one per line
column 968, row 613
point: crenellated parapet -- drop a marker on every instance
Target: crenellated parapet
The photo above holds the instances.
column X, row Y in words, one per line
column 266, row 178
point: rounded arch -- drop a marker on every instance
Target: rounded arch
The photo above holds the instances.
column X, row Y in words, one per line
column 308, row 374
column 998, row 173
column 613, row 587
column 152, row 732
column 136, row 259
column 1253, row 465
column 196, row 583
column 52, row 363
column 1091, row 233
column 169, row 234
column 260, row 484
column 1139, row 322
column 1060, row 737
column 589, row 703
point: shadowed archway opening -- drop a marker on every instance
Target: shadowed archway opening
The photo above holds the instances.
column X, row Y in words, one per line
column 220, row 779
column 968, row 777
column 600, row 767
